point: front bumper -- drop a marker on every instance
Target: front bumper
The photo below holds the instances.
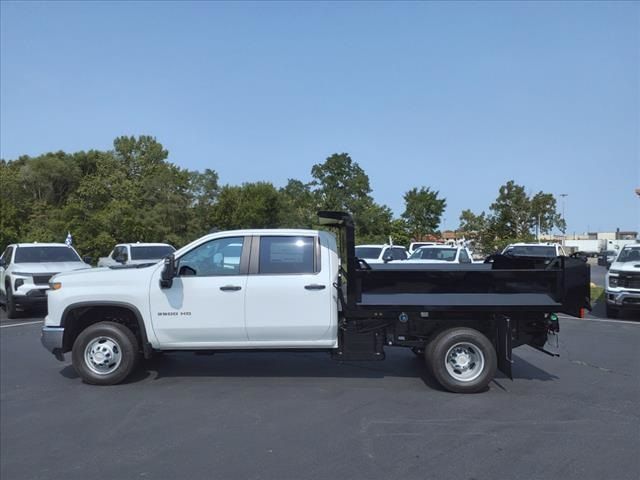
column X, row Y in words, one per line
column 51, row 338
column 33, row 298
column 623, row 299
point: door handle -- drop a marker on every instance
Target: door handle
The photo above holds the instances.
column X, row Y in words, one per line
column 230, row 288
column 315, row 286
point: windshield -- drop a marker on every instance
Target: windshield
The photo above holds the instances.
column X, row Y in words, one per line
column 443, row 254
column 151, row 253
column 629, row 255
column 368, row 252
column 46, row 254
column 532, row 251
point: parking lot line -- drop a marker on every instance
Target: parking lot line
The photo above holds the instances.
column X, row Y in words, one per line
column 20, row 324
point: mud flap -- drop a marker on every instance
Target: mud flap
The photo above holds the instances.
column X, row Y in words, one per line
column 503, row 345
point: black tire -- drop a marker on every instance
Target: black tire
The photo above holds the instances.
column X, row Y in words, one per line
column 12, row 311
column 118, row 335
column 436, row 355
column 612, row 312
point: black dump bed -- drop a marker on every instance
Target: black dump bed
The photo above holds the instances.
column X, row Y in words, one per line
column 506, row 284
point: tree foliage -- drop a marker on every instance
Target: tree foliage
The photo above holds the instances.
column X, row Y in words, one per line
column 423, row 211
column 513, row 217
column 341, row 184
column 134, row 193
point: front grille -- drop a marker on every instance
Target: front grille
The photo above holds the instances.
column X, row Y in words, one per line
column 629, row 280
column 42, row 279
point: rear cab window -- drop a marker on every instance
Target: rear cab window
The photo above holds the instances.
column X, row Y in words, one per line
column 152, row 252
column 398, row 253
column 288, row 255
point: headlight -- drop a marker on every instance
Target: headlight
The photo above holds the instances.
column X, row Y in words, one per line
column 613, row 281
column 18, row 283
column 55, row 285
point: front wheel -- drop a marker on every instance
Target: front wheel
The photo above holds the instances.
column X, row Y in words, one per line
column 462, row 360
column 105, row 353
column 12, row 311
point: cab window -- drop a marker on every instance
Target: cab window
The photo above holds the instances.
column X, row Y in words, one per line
column 6, row 256
column 293, row 254
column 398, row 254
column 216, row 257
column 464, row 257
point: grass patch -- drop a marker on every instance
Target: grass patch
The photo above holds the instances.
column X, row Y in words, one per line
column 597, row 293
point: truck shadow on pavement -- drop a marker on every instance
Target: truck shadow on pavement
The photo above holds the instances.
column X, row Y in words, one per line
column 400, row 364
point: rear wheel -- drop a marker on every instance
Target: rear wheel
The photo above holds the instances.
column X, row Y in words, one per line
column 462, row 360
column 105, row 353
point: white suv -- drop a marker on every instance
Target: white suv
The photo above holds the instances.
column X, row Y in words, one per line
column 25, row 270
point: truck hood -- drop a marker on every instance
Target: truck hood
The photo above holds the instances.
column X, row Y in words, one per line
column 633, row 266
column 97, row 277
column 50, row 267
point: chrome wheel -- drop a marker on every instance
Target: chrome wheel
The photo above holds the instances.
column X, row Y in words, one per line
column 464, row 361
column 103, row 355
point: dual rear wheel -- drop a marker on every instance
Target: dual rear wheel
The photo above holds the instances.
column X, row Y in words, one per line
column 462, row 360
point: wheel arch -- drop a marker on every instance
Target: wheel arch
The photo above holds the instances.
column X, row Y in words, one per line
column 78, row 316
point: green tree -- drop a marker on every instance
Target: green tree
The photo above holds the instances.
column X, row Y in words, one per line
column 512, row 218
column 399, row 232
column 13, row 203
column 341, row 184
column 544, row 213
column 298, row 205
column 252, row 205
column 472, row 225
column 203, row 194
column 423, row 211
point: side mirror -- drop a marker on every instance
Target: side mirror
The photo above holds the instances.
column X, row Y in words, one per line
column 87, row 260
column 120, row 258
column 168, row 272
column 387, row 257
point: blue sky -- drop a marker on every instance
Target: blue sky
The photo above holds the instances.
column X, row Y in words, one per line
column 460, row 97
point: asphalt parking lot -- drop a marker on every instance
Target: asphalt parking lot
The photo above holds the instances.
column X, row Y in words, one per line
column 294, row 416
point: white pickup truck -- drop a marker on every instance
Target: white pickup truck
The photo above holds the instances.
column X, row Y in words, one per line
column 135, row 253
column 623, row 282
column 303, row 290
